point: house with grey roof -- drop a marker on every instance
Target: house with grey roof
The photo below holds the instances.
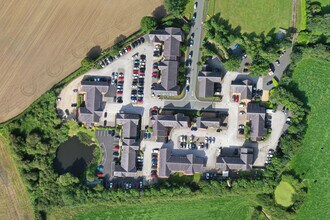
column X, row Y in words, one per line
column 130, row 129
column 256, row 116
column 127, row 167
column 219, row 121
column 242, row 88
column 94, row 92
column 242, row 162
column 171, row 39
column 187, row 164
column 162, row 124
column 209, row 84
column 169, row 79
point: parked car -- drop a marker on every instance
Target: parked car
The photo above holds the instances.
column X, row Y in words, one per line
column 153, row 173
column 115, row 153
column 116, row 147
column 74, row 105
column 195, row 5
column 155, row 150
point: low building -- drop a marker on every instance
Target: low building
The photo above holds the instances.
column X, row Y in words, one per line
column 242, row 88
column 256, row 116
column 94, row 91
column 218, row 121
column 233, row 163
column 169, row 163
column 162, row 125
column 169, row 79
column 130, row 128
column 127, row 167
column 209, row 84
column 171, row 38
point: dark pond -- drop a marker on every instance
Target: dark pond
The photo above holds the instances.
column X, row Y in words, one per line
column 73, row 156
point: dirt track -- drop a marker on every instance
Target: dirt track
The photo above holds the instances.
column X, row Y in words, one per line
column 41, row 42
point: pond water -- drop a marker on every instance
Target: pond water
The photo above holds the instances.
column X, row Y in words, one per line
column 73, row 156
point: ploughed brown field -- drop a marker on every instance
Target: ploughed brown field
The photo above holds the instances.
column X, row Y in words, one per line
column 41, row 42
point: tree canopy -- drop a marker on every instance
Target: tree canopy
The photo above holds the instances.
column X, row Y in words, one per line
column 175, row 7
column 148, row 23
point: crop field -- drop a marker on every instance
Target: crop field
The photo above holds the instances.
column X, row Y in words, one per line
column 313, row 160
column 14, row 201
column 43, row 41
column 253, row 16
column 227, row 208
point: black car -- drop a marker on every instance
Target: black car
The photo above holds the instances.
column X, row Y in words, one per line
column 74, row 105
column 134, row 91
column 142, row 39
column 269, row 83
column 193, row 128
column 115, row 153
column 119, row 99
column 143, row 57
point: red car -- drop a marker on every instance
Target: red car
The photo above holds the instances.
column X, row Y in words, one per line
column 99, row 174
column 120, row 78
column 128, row 48
column 154, row 74
column 116, row 147
column 236, row 98
column 136, row 71
column 119, row 92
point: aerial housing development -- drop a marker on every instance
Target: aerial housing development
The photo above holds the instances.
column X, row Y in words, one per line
column 218, row 128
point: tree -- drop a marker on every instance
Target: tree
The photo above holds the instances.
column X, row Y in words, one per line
column 175, row 7
column 148, row 23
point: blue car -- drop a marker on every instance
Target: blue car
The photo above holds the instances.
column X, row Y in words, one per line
column 145, row 135
column 149, row 135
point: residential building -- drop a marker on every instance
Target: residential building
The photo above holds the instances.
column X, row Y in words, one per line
column 256, row 116
column 127, row 167
column 171, row 39
column 242, row 88
column 162, row 124
column 94, row 91
column 209, row 84
column 216, row 120
column 235, row 163
column 130, row 128
column 169, row 163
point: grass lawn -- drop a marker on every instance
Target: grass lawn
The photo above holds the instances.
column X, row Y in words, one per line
column 253, row 16
column 283, row 194
column 228, row 208
column 313, row 160
column 188, row 12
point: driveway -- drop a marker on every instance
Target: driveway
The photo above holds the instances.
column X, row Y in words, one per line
column 107, row 143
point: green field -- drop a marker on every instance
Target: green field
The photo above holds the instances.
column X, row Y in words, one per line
column 313, row 160
column 216, row 208
column 283, row 194
column 253, row 16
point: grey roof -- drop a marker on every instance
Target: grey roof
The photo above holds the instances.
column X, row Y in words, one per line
column 163, row 123
column 207, row 79
column 94, row 105
column 127, row 167
column 215, row 122
column 244, row 162
column 256, row 114
column 169, row 78
column 130, row 123
column 243, row 88
column 172, row 38
column 187, row 164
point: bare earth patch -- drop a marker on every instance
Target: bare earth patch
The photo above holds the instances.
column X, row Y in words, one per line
column 43, row 41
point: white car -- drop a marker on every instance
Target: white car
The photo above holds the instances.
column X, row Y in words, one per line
column 195, row 5
column 213, row 140
column 206, row 139
column 155, row 150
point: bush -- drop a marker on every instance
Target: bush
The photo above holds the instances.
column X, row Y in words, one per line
column 148, row 24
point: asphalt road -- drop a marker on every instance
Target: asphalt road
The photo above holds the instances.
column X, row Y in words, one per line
column 107, row 143
column 197, row 30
